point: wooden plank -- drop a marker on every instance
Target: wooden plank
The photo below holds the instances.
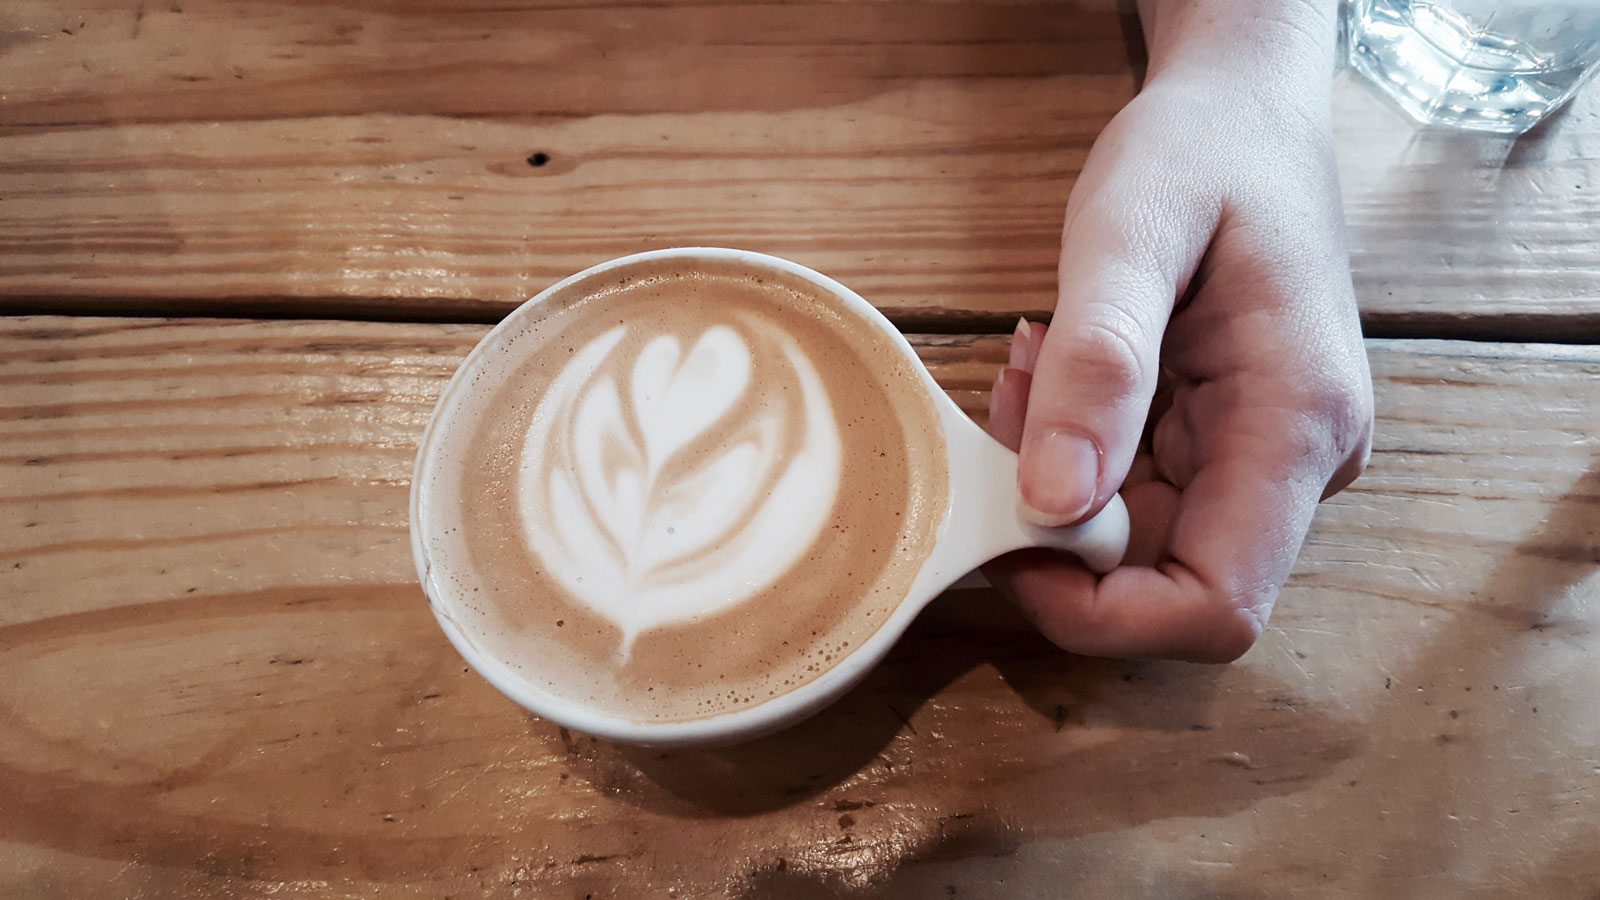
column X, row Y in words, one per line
column 376, row 162
column 372, row 160
column 1471, row 235
column 218, row 675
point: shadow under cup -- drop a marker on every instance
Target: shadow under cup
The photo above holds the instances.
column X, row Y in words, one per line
column 682, row 497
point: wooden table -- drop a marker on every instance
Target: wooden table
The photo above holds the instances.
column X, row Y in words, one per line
column 242, row 246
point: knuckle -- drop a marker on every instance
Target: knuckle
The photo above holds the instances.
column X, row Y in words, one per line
column 1105, row 351
column 1359, row 462
column 1348, row 409
column 1234, row 630
column 1338, row 415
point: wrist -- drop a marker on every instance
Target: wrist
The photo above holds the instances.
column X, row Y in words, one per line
column 1285, row 45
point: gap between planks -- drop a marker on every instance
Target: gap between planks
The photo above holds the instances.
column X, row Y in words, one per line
column 1512, row 327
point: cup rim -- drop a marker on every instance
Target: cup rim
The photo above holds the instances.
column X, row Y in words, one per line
column 734, row 725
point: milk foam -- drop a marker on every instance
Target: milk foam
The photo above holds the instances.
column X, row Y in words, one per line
column 714, row 397
column 663, row 483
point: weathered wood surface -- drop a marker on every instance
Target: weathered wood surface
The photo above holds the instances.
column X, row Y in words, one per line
column 218, row 676
column 304, row 156
column 1460, row 234
column 373, row 160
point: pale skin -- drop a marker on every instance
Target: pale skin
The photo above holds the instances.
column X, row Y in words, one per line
column 1203, row 250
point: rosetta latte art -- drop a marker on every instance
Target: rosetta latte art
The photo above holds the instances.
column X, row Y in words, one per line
column 670, row 477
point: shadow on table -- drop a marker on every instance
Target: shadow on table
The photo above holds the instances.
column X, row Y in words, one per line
column 1400, row 816
column 1517, row 614
column 959, row 632
column 1168, row 882
column 1106, row 718
column 787, row 767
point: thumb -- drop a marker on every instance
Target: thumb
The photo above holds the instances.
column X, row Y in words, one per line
column 1126, row 255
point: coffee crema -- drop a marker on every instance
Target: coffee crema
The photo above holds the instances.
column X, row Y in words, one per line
column 677, row 488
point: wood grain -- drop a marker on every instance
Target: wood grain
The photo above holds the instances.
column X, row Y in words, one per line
column 371, row 160
column 218, row 675
column 1456, row 234
column 376, row 162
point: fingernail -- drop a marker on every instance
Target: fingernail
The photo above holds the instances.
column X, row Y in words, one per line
column 1059, row 474
column 1007, row 402
column 994, row 392
column 1033, row 344
column 1019, row 344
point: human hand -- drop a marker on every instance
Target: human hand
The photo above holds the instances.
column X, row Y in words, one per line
column 1203, row 241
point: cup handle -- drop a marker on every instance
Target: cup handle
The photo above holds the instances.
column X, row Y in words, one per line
column 985, row 508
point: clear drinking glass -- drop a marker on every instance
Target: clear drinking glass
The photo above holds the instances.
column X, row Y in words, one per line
column 1487, row 65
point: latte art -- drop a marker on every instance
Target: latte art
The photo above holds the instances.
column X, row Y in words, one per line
column 680, row 479
column 666, row 492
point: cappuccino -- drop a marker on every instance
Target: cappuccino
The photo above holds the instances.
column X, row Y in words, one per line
column 676, row 488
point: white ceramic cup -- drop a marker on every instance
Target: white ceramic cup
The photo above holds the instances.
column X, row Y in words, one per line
column 981, row 521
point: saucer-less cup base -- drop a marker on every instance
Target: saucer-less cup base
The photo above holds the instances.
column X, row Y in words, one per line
column 980, row 522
